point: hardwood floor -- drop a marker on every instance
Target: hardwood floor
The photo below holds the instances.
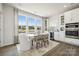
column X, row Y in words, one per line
column 14, row 50
column 63, row 49
column 8, row 51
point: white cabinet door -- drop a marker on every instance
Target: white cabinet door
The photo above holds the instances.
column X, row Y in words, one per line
column 67, row 17
column 72, row 16
column 62, row 35
column 75, row 15
column 56, row 35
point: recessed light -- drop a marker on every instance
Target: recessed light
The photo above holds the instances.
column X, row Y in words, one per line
column 65, row 6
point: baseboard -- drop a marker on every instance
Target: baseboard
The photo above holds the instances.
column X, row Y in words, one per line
column 7, row 45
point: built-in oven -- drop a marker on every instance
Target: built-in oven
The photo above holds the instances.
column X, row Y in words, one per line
column 72, row 30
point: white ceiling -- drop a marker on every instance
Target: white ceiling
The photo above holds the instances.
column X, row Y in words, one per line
column 45, row 9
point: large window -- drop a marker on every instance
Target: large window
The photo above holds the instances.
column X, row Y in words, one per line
column 31, row 24
column 34, row 24
column 22, row 24
column 38, row 25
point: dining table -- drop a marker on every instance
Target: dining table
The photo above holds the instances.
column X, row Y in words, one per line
column 27, row 39
column 32, row 37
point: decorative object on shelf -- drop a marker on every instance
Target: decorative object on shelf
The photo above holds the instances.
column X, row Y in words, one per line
column 45, row 25
column 61, row 28
column 62, row 20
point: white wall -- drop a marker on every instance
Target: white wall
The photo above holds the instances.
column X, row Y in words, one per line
column 53, row 21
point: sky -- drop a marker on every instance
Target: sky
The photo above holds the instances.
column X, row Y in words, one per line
column 22, row 20
column 31, row 21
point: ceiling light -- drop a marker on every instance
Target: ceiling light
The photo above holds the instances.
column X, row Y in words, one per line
column 65, row 6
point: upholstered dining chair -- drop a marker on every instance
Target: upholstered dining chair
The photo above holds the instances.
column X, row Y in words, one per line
column 38, row 42
column 45, row 40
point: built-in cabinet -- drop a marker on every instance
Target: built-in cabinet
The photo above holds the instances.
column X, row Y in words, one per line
column 56, row 35
column 72, row 16
column 60, row 34
column 75, row 15
column 67, row 17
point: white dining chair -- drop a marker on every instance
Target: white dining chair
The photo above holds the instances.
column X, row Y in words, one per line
column 24, row 42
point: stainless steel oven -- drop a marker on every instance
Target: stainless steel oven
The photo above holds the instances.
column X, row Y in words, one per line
column 72, row 30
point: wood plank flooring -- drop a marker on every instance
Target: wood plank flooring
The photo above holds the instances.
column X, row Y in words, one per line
column 9, row 51
column 63, row 49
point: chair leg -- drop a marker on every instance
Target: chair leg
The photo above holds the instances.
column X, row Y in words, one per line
column 41, row 43
column 32, row 45
column 37, row 45
column 47, row 42
column 44, row 43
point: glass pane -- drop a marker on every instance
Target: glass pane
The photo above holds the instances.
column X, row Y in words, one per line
column 38, row 22
column 31, row 24
column 62, row 20
column 31, row 21
column 22, row 20
column 22, row 24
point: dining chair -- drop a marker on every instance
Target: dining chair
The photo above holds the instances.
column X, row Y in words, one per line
column 38, row 42
column 34, row 42
column 45, row 40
